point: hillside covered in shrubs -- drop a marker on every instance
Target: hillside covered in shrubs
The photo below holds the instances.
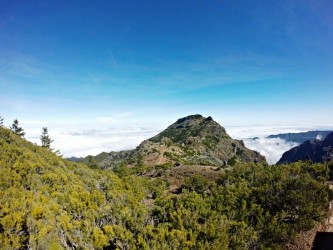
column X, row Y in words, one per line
column 50, row 203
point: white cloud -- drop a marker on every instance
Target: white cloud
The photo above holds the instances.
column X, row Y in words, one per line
column 241, row 132
column 254, row 138
column 84, row 139
column 272, row 149
column 83, row 142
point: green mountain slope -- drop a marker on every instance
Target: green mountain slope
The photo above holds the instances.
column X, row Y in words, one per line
column 192, row 140
column 98, row 159
column 49, row 203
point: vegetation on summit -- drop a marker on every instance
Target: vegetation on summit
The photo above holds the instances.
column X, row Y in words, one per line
column 191, row 140
column 50, row 203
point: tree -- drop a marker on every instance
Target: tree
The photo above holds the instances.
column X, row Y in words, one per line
column 17, row 129
column 1, row 121
column 46, row 141
column 45, row 138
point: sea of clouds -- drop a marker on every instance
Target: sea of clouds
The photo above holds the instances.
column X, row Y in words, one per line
column 255, row 138
column 272, row 148
column 72, row 141
column 83, row 142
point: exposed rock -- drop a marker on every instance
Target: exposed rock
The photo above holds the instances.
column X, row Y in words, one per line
column 309, row 150
column 192, row 140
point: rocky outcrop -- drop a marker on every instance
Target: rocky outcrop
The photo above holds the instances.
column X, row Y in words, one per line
column 191, row 140
column 309, row 150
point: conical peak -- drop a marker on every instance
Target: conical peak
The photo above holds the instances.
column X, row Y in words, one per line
column 191, row 126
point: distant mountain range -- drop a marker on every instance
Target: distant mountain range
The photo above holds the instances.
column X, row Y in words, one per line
column 309, row 150
column 302, row 137
column 192, row 140
column 99, row 158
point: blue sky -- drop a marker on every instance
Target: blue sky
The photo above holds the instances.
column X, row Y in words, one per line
column 112, row 64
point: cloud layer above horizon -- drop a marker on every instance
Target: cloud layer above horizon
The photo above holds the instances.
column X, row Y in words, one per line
column 83, row 142
column 95, row 72
column 271, row 148
column 255, row 138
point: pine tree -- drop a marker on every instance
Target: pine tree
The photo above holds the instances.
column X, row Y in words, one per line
column 45, row 138
column 46, row 141
column 17, row 129
column 1, row 121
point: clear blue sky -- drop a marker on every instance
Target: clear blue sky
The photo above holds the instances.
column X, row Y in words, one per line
column 243, row 62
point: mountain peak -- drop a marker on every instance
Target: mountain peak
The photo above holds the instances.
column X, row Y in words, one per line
column 191, row 140
column 189, row 118
column 186, row 128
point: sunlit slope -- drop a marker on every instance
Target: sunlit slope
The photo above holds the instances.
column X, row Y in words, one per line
column 47, row 202
column 191, row 140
